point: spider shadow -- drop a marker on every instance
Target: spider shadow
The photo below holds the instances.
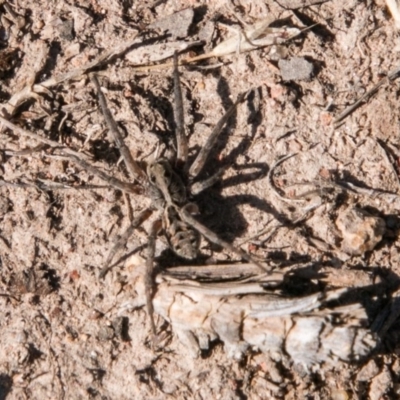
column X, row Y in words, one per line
column 6, row 384
column 222, row 215
column 254, row 120
column 218, row 213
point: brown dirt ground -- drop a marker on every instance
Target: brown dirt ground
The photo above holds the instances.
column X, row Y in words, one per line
column 54, row 329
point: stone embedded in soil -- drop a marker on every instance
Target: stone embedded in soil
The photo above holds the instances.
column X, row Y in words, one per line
column 296, row 69
column 380, row 385
column 177, row 24
column 360, row 230
column 368, row 371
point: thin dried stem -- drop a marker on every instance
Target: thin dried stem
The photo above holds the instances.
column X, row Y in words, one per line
column 32, row 91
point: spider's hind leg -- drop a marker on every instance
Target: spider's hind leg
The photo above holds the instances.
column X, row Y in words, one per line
column 201, row 159
column 123, row 239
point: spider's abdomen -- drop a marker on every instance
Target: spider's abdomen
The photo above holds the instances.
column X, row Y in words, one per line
column 182, row 238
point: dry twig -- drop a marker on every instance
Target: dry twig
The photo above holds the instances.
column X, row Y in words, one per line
column 32, row 91
column 366, row 96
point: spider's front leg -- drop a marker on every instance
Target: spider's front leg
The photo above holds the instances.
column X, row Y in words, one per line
column 133, row 167
column 201, row 159
column 181, row 140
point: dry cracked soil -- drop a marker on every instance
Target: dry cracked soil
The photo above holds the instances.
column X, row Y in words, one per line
column 63, row 332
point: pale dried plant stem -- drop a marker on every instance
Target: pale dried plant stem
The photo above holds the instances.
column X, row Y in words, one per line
column 394, row 10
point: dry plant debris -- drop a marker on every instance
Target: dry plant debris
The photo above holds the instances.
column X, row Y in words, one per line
column 65, row 334
column 394, row 10
column 245, row 317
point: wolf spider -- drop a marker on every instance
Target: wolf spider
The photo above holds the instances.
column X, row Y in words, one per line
column 170, row 183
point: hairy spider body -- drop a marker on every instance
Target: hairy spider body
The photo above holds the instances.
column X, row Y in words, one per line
column 183, row 239
column 167, row 191
column 165, row 185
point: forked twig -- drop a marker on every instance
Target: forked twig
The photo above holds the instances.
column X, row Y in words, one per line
column 76, row 157
column 117, row 183
column 31, row 135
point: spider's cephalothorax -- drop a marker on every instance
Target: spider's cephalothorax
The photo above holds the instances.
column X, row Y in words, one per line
column 165, row 186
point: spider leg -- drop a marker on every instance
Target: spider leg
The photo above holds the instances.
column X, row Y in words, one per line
column 133, row 167
column 149, row 278
column 198, row 187
column 201, row 159
column 116, row 183
column 181, row 139
column 75, row 156
column 143, row 215
column 212, row 237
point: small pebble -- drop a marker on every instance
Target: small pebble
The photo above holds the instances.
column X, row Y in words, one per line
column 295, row 69
column 360, row 230
column 177, row 25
